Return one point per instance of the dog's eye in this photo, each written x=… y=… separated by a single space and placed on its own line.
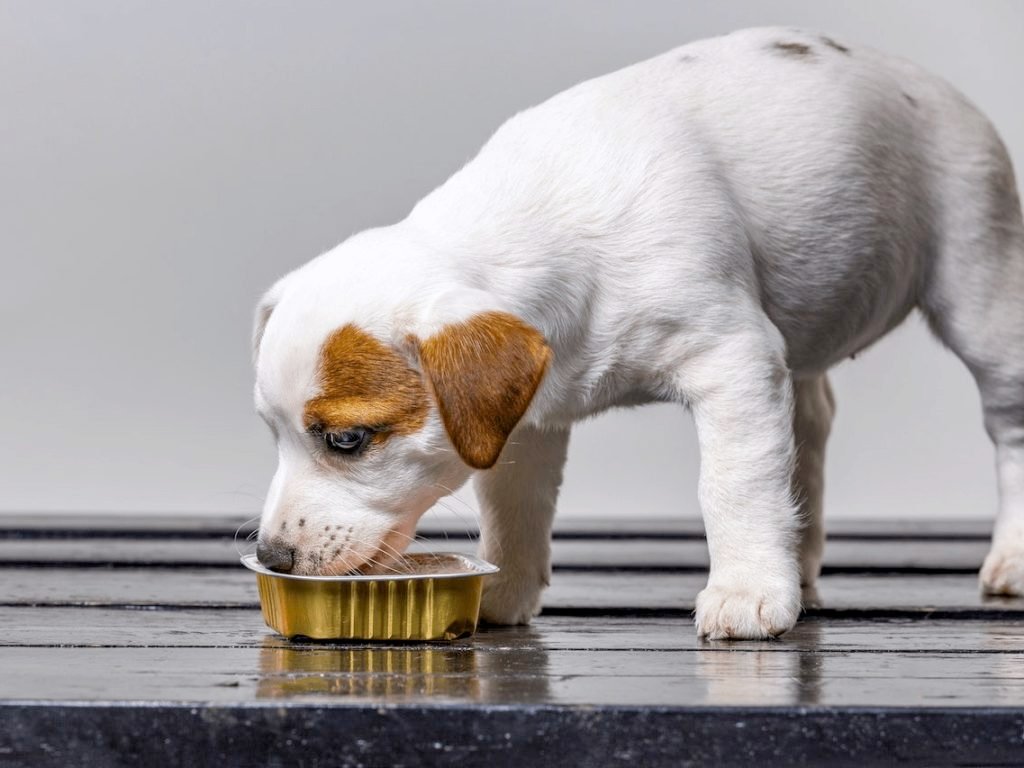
x=349 y=441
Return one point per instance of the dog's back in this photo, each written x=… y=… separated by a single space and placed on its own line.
x=836 y=167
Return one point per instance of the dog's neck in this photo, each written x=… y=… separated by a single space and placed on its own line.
x=546 y=278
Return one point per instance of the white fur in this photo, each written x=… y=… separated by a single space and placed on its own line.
x=706 y=227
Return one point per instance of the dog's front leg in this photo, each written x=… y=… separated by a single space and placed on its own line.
x=517 y=502
x=741 y=395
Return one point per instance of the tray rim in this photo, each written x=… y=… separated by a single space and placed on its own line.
x=480 y=568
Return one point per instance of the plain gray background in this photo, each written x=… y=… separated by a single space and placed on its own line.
x=162 y=162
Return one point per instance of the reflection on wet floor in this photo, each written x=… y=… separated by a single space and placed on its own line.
x=819 y=663
x=515 y=665
x=735 y=673
x=395 y=672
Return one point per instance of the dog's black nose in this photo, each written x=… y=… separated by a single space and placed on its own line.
x=275 y=555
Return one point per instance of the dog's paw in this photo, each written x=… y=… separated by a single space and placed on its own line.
x=510 y=600
x=1003 y=572
x=752 y=611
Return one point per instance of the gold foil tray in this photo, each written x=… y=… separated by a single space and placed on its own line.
x=433 y=597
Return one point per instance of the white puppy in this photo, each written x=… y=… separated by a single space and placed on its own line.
x=715 y=227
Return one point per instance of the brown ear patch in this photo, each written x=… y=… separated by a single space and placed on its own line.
x=484 y=372
x=366 y=383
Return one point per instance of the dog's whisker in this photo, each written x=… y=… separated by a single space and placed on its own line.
x=433 y=511
x=496 y=543
x=453 y=497
x=238 y=530
x=407 y=540
x=455 y=513
x=388 y=549
x=473 y=525
x=374 y=564
x=469 y=527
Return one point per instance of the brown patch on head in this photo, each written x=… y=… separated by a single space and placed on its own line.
x=484 y=372
x=910 y=99
x=835 y=46
x=796 y=50
x=365 y=383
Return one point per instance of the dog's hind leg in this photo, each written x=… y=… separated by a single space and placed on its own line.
x=991 y=342
x=974 y=300
x=517 y=505
x=990 y=339
x=813 y=409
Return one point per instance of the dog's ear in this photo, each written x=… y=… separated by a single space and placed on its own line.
x=484 y=372
x=263 y=312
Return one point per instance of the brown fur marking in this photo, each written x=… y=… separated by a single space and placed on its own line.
x=484 y=372
x=797 y=50
x=366 y=383
x=835 y=46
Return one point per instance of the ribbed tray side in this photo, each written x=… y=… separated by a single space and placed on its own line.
x=420 y=609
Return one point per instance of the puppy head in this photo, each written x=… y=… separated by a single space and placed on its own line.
x=376 y=417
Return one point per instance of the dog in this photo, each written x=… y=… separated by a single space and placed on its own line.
x=715 y=227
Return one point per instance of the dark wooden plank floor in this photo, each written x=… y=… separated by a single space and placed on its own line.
x=140 y=642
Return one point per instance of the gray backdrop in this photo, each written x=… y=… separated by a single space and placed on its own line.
x=162 y=162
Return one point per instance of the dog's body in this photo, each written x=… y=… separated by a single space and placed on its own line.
x=716 y=227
